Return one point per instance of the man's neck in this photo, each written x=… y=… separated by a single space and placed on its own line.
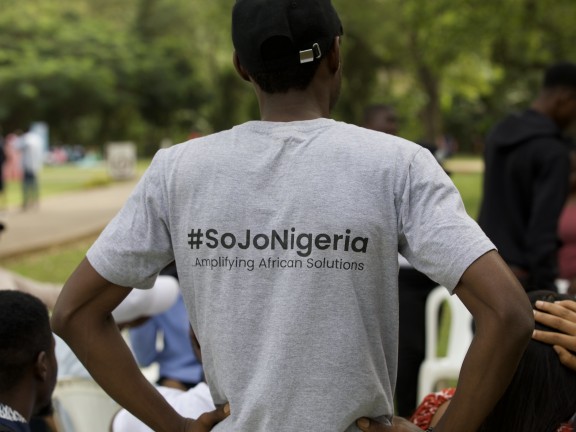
x=20 y=401
x=309 y=104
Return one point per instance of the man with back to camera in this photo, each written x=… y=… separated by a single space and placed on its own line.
x=286 y=233
x=28 y=366
x=526 y=180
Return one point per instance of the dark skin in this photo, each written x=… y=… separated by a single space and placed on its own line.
x=33 y=393
x=486 y=288
x=559 y=104
x=315 y=102
x=82 y=315
x=384 y=120
x=561 y=316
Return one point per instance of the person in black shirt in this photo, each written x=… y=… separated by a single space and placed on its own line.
x=527 y=168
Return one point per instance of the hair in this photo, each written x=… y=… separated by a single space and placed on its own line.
x=297 y=77
x=541 y=395
x=24 y=333
x=281 y=81
x=560 y=75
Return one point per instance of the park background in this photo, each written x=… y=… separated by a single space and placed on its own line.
x=153 y=71
x=144 y=70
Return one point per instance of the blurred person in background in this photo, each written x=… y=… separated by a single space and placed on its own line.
x=31 y=150
x=3 y=158
x=567 y=232
x=527 y=167
x=178 y=366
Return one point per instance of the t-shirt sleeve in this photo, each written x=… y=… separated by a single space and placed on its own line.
x=437 y=236
x=136 y=244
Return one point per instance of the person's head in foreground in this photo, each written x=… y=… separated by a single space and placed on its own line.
x=541 y=396
x=288 y=46
x=28 y=366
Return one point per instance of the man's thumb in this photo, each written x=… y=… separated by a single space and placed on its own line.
x=212 y=418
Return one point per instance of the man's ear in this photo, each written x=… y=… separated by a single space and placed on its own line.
x=41 y=366
x=239 y=68
x=334 y=59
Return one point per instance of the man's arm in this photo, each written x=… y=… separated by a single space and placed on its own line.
x=561 y=316
x=82 y=317
x=504 y=322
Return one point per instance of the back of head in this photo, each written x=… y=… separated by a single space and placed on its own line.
x=24 y=333
x=560 y=75
x=280 y=43
x=541 y=395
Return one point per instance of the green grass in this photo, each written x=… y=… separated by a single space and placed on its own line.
x=66 y=178
x=57 y=179
x=57 y=263
x=470 y=187
x=51 y=265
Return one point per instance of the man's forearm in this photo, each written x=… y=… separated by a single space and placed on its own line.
x=486 y=372
x=101 y=348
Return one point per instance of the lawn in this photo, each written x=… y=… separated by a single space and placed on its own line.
x=51 y=265
x=57 y=179
x=57 y=263
x=470 y=187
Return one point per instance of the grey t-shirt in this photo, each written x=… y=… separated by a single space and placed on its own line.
x=286 y=238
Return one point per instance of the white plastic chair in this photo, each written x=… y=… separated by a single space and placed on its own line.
x=562 y=285
x=80 y=405
x=435 y=369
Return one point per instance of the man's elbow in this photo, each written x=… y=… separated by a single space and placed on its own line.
x=61 y=320
x=517 y=321
x=67 y=318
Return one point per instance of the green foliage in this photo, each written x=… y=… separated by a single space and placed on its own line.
x=144 y=70
x=470 y=187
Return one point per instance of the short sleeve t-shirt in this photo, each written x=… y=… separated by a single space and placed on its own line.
x=286 y=239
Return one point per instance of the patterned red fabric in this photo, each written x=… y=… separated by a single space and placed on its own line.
x=430 y=404
x=426 y=410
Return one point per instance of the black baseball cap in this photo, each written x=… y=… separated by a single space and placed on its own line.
x=271 y=35
x=561 y=74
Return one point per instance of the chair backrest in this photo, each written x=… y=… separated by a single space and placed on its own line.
x=80 y=405
x=460 y=334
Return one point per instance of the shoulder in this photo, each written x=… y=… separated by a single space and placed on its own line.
x=195 y=146
x=373 y=145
